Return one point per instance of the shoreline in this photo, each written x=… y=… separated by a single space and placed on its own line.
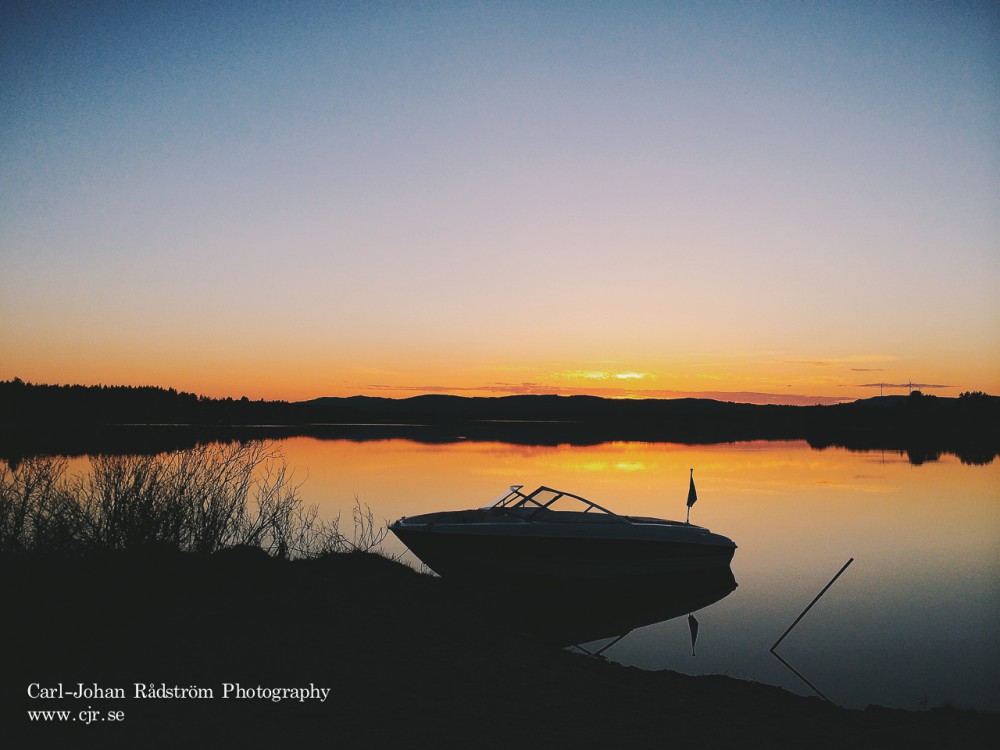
x=77 y=419
x=18 y=442
x=406 y=659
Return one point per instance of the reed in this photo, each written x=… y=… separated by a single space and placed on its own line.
x=199 y=500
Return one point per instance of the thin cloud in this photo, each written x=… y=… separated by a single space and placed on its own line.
x=586 y=374
x=603 y=375
x=867 y=369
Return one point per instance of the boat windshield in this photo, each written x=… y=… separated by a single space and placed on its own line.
x=546 y=498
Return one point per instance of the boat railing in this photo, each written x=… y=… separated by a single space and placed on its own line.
x=515 y=498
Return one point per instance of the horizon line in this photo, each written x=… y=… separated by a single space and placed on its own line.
x=501 y=390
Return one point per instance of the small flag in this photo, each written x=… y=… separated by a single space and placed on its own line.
x=692 y=492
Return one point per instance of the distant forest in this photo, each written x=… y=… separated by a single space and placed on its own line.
x=33 y=416
x=26 y=403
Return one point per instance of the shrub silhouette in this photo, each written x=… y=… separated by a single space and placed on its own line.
x=199 y=500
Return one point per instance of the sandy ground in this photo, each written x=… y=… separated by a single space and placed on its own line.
x=407 y=661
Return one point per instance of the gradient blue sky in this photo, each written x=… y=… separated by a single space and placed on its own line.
x=289 y=200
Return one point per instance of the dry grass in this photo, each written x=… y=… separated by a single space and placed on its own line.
x=199 y=500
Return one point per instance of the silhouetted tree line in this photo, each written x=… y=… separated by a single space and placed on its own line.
x=29 y=403
x=922 y=425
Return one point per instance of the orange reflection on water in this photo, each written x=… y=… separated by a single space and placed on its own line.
x=777 y=500
x=787 y=506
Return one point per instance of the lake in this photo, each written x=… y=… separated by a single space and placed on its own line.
x=912 y=623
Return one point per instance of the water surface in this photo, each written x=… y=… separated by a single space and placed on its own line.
x=912 y=623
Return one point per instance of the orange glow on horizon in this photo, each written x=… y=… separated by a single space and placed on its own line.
x=302 y=364
x=741 y=380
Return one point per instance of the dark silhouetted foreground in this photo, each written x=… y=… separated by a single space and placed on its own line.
x=409 y=663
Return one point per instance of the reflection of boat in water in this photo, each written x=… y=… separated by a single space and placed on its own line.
x=581 y=612
x=530 y=536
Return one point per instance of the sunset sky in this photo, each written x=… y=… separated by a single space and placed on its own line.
x=762 y=201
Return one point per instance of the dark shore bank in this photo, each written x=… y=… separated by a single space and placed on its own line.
x=409 y=662
x=77 y=420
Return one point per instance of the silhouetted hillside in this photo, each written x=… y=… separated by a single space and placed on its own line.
x=925 y=426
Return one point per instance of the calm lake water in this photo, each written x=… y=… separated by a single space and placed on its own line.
x=912 y=623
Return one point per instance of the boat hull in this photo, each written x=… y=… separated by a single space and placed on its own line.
x=476 y=553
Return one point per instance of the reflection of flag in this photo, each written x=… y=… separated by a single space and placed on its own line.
x=692 y=492
x=693 y=626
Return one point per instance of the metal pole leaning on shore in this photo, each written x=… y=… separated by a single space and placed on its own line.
x=825 y=588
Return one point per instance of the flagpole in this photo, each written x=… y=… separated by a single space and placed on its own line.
x=692 y=497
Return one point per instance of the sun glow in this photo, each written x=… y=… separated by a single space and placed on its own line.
x=603 y=375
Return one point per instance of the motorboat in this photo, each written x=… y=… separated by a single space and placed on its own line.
x=551 y=533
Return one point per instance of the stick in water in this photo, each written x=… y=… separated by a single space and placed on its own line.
x=832 y=581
